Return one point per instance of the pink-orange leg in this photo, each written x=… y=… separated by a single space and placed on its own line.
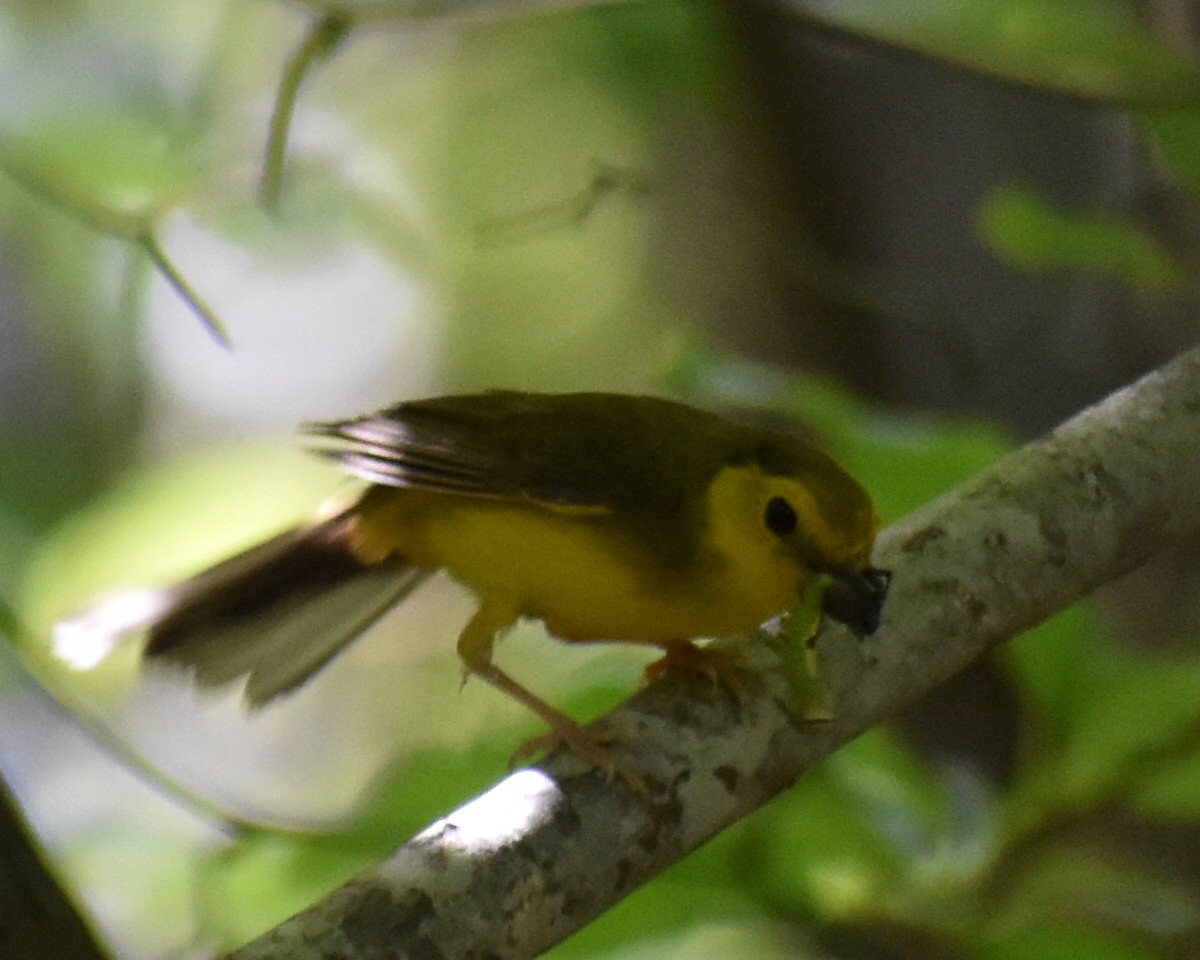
x=716 y=664
x=475 y=645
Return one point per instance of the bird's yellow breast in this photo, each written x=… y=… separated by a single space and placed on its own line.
x=579 y=570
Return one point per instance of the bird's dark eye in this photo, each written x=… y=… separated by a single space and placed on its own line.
x=779 y=517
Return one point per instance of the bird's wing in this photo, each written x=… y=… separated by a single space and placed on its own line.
x=565 y=450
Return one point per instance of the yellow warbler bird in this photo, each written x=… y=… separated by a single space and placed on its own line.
x=605 y=516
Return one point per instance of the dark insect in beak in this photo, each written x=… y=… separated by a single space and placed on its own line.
x=855 y=598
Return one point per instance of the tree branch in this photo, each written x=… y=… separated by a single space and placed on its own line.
x=38 y=921
x=535 y=858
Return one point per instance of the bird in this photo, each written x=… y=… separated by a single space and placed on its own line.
x=606 y=516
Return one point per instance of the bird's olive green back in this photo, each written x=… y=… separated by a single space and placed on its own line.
x=645 y=460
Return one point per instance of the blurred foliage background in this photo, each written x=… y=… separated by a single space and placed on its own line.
x=925 y=229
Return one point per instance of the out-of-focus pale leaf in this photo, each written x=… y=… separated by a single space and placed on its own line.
x=167 y=520
x=1084 y=48
x=1032 y=233
x=118 y=171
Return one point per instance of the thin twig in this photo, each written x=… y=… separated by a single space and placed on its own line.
x=320 y=42
x=131 y=230
x=149 y=244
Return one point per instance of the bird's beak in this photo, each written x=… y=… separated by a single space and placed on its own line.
x=855 y=598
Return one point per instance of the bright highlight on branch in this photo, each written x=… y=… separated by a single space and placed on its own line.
x=509 y=811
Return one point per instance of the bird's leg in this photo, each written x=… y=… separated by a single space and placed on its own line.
x=718 y=665
x=475 y=649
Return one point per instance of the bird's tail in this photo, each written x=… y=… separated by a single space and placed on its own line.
x=274 y=614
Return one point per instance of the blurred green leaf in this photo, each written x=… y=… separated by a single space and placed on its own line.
x=17 y=542
x=426 y=785
x=709 y=883
x=1050 y=941
x=1069 y=896
x=1136 y=710
x=1046 y=663
x=146 y=861
x=1109 y=716
x=266 y=877
x=1176 y=134
x=119 y=171
x=1084 y=48
x=164 y=521
x=896 y=792
x=74 y=372
x=668 y=51
x=10 y=623
x=1172 y=792
x=711 y=938
x=818 y=853
x=938 y=823
x=1032 y=233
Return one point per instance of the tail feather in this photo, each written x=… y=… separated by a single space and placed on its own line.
x=275 y=614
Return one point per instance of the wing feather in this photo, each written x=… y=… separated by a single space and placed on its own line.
x=399 y=448
x=563 y=450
